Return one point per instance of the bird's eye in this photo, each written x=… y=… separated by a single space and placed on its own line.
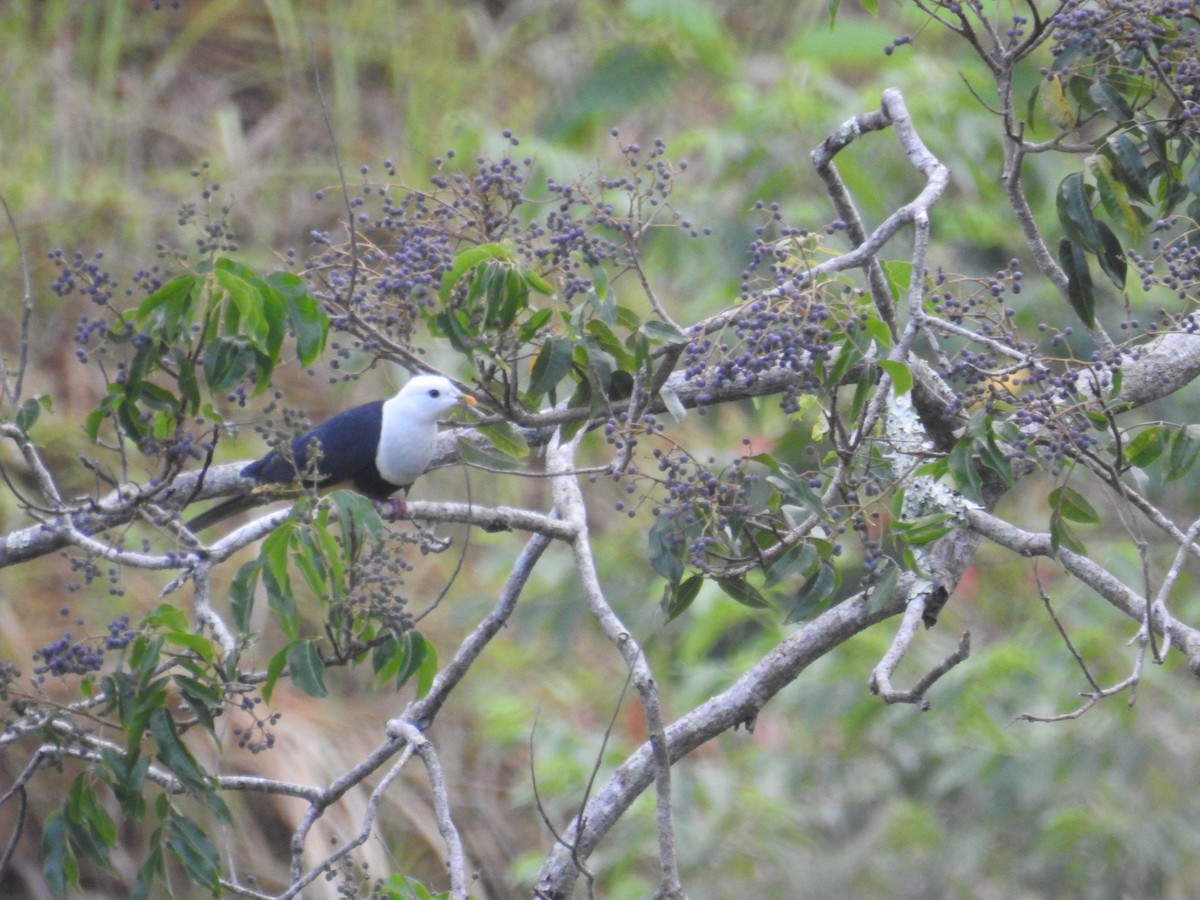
x=435 y=393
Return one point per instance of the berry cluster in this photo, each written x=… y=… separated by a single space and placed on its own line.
x=376 y=600
x=1150 y=39
x=784 y=321
x=377 y=283
x=706 y=511
x=258 y=736
x=68 y=656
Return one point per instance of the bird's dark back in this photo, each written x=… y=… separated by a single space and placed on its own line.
x=348 y=441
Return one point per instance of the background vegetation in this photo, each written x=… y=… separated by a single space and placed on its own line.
x=117 y=116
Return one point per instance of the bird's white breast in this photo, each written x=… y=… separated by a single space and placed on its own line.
x=406 y=443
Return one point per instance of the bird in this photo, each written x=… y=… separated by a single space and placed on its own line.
x=380 y=448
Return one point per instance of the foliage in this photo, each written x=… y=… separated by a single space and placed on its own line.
x=894 y=388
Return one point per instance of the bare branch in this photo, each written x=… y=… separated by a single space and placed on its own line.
x=441 y=805
x=1028 y=543
x=880 y=681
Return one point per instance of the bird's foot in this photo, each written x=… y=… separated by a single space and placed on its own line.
x=399 y=508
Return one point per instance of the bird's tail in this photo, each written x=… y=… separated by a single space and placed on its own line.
x=221 y=511
x=264 y=493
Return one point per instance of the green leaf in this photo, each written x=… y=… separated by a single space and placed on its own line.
x=1128 y=165
x=150 y=868
x=815 y=595
x=275 y=666
x=454 y=326
x=388 y=657
x=189 y=385
x=883 y=588
x=127 y=776
x=528 y=331
x=202 y=698
x=901 y=375
x=202 y=646
x=465 y=261
x=427 y=670
x=226 y=362
x=848 y=356
x=97 y=416
x=195 y=852
x=167 y=616
x=358 y=518
x=91 y=828
x=993 y=457
x=923 y=529
x=794 y=560
x=1055 y=104
x=743 y=592
x=537 y=283
x=306 y=668
x=1063 y=537
x=275 y=578
x=1070 y=504
x=309 y=559
x=1115 y=196
x=601 y=297
x=898 y=273
x=1184 y=449
x=305 y=316
x=1146 y=447
x=250 y=307
x=551 y=365
x=483 y=456
x=1075 y=212
x=506 y=438
x=59 y=866
x=1112 y=256
x=664 y=556
x=166 y=313
x=515 y=298
x=962 y=468
x=879 y=330
x=663 y=332
x=1105 y=96
x=241 y=593
x=419 y=657
x=608 y=341
x=488 y=282
x=1080 y=292
x=28 y=414
x=677 y=598
x=174 y=755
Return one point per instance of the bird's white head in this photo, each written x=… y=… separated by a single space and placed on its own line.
x=427 y=397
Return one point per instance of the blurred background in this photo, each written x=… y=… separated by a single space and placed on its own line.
x=109 y=108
